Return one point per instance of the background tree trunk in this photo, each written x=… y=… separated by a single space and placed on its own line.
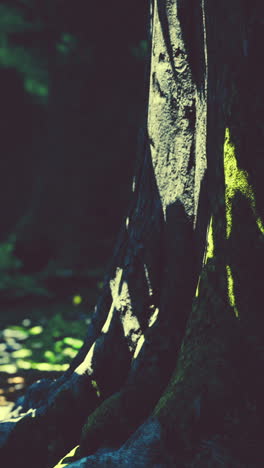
x=170 y=372
x=67 y=224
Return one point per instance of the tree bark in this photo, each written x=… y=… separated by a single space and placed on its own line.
x=169 y=375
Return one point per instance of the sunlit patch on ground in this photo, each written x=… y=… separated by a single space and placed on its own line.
x=33 y=348
x=13 y=386
x=10 y=389
x=48 y=347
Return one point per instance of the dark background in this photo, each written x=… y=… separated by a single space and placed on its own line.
x=71 y=104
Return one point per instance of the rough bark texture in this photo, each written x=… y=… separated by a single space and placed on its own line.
x=170 y=372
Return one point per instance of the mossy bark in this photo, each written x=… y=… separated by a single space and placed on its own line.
x=171 y=363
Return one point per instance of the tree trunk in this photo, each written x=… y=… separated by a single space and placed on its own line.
x=170 y=372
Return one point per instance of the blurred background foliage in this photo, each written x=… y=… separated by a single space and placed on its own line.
x=71 y=94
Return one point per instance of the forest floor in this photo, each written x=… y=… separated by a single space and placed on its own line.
x=39 y=337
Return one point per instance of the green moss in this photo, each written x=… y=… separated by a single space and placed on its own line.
x=111 y=423
x=198 y=287
x=95 y=386
x=230 y=288
x=103 y=426
x=197 y=382
x=194 y=402
x=260 y=225
x=210 y=242
x=236 y=180
x=209 y=252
